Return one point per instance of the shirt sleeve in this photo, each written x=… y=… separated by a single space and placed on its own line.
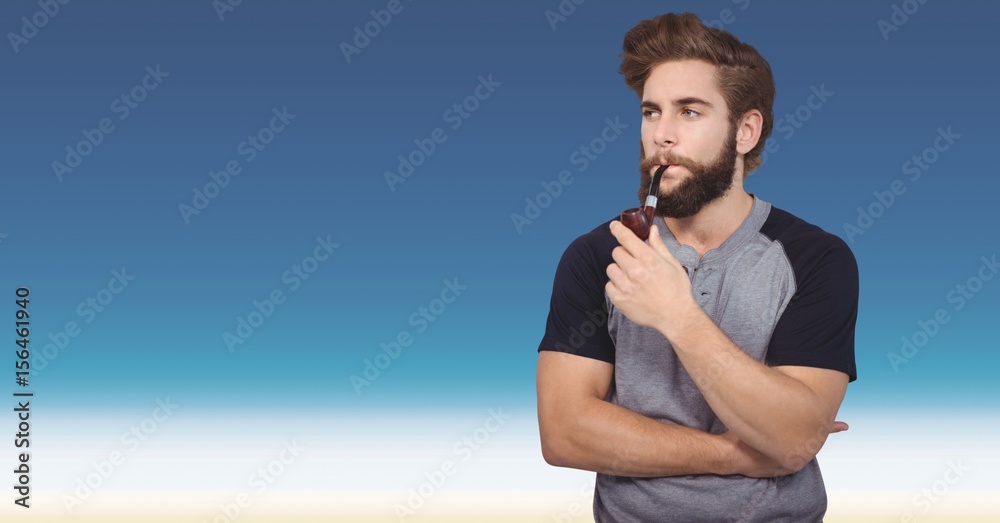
x=578 y=313
x=817 y=326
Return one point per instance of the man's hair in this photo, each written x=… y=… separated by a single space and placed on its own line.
x=742 y=74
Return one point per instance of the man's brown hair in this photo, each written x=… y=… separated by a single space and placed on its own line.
x=742 y=74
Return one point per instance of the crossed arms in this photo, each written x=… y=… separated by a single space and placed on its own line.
x=579 y=429
x=778 y=416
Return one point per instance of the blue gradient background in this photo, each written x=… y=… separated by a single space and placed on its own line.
x=324 y=176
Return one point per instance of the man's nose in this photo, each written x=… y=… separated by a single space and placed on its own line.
x=665 y=132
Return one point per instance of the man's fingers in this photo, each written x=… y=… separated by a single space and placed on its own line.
x=614 y=272
x=656 y=242
x=620 y=255
x=839 y=426
x=626 y=237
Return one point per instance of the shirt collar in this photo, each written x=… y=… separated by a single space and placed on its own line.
x=688 y=256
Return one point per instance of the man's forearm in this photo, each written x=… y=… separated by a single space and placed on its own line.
x=768 y=410
x=610 y=439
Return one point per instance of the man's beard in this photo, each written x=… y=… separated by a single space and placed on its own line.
x=706 y=183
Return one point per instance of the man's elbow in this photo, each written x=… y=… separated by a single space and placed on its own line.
x=555 y=448
x=796 y=461
x=798 y=452
x=561 y=437
x=552 y=454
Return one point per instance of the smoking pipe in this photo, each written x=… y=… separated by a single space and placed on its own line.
x=640 y=218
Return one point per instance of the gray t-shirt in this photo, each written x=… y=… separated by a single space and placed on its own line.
x=784 y=291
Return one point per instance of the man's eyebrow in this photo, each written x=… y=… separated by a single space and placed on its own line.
x=687 y=100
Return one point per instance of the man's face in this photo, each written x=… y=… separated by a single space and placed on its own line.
x=686 y=125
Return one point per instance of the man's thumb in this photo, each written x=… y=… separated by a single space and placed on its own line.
x=655 y=241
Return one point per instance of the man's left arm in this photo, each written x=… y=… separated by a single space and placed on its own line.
x=785 y=412
x=786 y=409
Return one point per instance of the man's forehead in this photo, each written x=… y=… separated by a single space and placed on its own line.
x=669 y=82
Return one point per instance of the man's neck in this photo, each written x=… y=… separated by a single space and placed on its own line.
x=714 y=223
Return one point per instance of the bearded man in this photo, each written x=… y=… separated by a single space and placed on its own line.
x=698 y=373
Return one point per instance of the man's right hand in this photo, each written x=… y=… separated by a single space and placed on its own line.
x=747 y=461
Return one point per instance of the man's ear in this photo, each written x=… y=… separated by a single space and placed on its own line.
x=748 y=131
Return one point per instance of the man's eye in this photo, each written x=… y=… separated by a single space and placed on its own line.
x=691 y=113
x=648 y=114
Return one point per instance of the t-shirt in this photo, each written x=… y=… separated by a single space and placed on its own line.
x=783 y=290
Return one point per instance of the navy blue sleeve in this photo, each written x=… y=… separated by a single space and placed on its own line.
x=578 y=312
x=817 y=326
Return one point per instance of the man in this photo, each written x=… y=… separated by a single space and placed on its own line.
x=699 y=373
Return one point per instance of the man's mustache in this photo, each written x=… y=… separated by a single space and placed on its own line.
x=648 y=163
